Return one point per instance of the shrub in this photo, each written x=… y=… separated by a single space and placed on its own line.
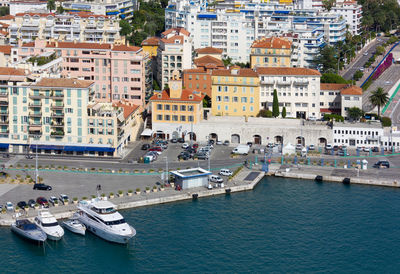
x=147 y=188
x=386 y=122
x=130 y=190
x=138 y=189
x=358 y=75
x=120 y=192
x=265 y=113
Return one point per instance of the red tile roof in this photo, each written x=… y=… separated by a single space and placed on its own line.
x=128 y=108
x=197 y=70
x=351 y=90
x=172 y=40
x=34 y=13
x=12 y=71
x=244 y=72
x=79 y=45
x=209 y=50
x=333 y=86
x=197 y=97
x=177 y=30
x=6 y=49
x=126 y=48
x=4 y=33
x=64 y=82
x=151 y=41
x=208 y=60
x=7 y=17
x=272 y=43
x=28 y=45
x=287 y=71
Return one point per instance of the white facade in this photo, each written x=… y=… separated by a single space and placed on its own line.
x=119 y=8
x=352 y=13
x=297 y=89
x=233 y=29
x=25 y=6
x=357 y=134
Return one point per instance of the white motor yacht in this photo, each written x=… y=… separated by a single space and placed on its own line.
x=46 y=221
x=102 y=219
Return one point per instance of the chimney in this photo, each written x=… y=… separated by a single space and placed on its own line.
x=74 y=41
x=56 y=44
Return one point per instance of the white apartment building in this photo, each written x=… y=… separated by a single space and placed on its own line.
x=233 y=27
x=355 y=135
x=82 y=27
x=26 y=6
x=174 y=53
x=117 y=8
x=297 y=89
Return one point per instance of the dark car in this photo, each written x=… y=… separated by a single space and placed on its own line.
x=145 y=146
x=42 y=187
x=174 y=140
x=211 y=142
x=21 y=204
x=181 y=140
x=29 y=156
x=191 y=150
x=184 y=156
x=42 y=201
x=375 y=149
x=31 y=203
x=201 y=156
x=381 y=164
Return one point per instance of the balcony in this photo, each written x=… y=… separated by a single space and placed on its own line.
x=57 y=134
x=300 y=83
x=4 y=122
x=35 y=127
x=3 y=94
x=35 y=114
x=35 y=104
x=57 y=106
x=57 y=114
x=284 y=83
x=35 y=96
x=57 y=125
x=267 y=82
x=3 y=103
x=4 y=113
x=57 y=95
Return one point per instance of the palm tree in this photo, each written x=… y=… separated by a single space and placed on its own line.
x=51 y=5
x=379 y=98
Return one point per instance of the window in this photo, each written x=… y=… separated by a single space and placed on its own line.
x=226 y=99
x=167 y=107
x=347 y=98
x=243 y=99
x=218 y=98
x=159 y=107
x=183 y=118
x=183 y=108
x=167 y=117
x=235 y=99
x=174 y=107
x=174 y=117
x=190 y=118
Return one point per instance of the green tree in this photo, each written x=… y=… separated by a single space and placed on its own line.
x=380 y=50
x=275 y=105
x=264 y=113
x=4 y=11
x=227 y=61
x=354 y=113
x=60 y=9
x=51 y=5
x=284 y=112
x=126 y=28
x=326 y=59
x=328 y=4
x=358 y=75
x=379 y=98
x=333 y=78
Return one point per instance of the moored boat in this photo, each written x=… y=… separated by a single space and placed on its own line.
x=46 y=221
x=75 y=226
x=29 y=231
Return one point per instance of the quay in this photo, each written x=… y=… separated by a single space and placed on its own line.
x=245 y=180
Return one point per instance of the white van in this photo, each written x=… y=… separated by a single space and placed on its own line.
x=225 y=172
x=215 y=179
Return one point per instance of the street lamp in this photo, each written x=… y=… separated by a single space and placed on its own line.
x=166 y=179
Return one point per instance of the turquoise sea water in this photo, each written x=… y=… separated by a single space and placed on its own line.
x=282 y=226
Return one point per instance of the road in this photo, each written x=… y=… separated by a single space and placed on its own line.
x=361 y=59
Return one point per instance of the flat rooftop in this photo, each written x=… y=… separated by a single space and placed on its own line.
x=191 y=173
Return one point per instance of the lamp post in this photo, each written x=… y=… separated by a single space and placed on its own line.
x=166 y=179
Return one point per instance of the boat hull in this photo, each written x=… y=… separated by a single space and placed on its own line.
x=37 y=237
x=106 y=235
x=74 y=229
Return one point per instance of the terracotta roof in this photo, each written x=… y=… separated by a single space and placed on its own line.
x=184 y=97
x=351 y=90
x=12 y=71
x=206 y=60
x=64 y=82
x=241 y=72
x=34 y=13
x=179 y=30
x=4 y=33
x=7 y=17
x=151 y=41
x=287 y=71
x=172 y=39
x=272 y=43
x=198 y=70
x=4 y=25
x=128 y=108
x=6 y=49
x=328 y=86
x=209 y=50
x=78 y=45
x=126 y=48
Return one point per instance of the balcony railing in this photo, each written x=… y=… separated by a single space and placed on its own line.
x=3 y=94
x=35 y=104
x=58 y=134
x=57 y=124
x=57 y=106
x=4 y=122
x=57 y=114
x=57 y=95
x=35 y=96
x=35 y=114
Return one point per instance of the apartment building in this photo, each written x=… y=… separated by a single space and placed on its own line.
x=26 y=6
x=80 y=26
x=199 y=78
x=176 y=111
x=297 y=89
x=209 y=51
x=358 y=134
x=271 y=52
x=5 y=55
x=117 y=8
x=338 y=98
x=53 y=116
x=233 y=26
x=150 y=45
x=118 y=70
x=174 y=53
x=235 y=92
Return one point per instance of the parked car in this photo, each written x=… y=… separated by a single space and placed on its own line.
x=225 y=172
x=299 y=147
x=9 y=206
x=328 y=147
x=209 y=146
x=181 y=140
x=184 y=156
x=185 y=145
x=191 y=150
x=29 y=156
x=145 y=146
x=42 y=187
x=153 y=155
x=53 y=200
x=335 y=148
x=270 y=145
x=342 y=153
x=311 y=147
x=31 y=203
x=195 y=146
x=158 y=150
x=375 y=149
x=174 y=140
x=201 y=156
x=250 y=144
x=42 y=201
x=226 y=143
x=6 y=155
x=365 y=53
x=211 y=142
x=382 y=164
x=64 y=198
x=219 y=143
x=216 y=179
x=366 y=149
x=21 y=204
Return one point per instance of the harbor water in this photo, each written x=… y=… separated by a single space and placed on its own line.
x=283 y=225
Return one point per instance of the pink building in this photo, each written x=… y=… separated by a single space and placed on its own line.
x=117 y=70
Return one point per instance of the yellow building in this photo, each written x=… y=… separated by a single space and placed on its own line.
x=271 y=52
x=176 y=110
x=235 y=92
x=150 y=45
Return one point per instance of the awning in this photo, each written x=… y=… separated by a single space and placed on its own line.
x=100 y=149
x=47 y=147
x=147 y=132
x=4 y=145
x=74 y=148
